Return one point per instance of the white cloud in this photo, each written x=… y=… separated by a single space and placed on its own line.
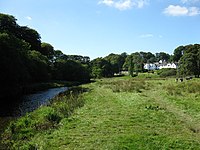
x=176 y=10
x=141 y=3
x=124 y=4
x=193 y=11
x=107 y=2
x=29 y=18
x=146 y=36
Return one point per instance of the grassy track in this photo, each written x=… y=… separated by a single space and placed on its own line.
x=119 y=115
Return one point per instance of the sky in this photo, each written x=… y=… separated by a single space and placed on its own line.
x=96 y=28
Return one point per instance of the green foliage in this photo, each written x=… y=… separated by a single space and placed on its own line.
x=184 y=88
x=8 y=24
x=38 y=66
x=116 y=61
x=162 y=56
x=130 y=65
x=127 y=85
x=20 y=132
x=24 y=60
x=148 y=57
x=134 y=63
x=189 y=63
x=31 y=36
x=14 y=73
x=70 y=70
x=178 y=53
x=78 y=58
x=47 y=50
x=101 y=68
x=167 y=72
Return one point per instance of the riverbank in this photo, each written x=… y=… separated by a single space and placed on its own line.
x=116 y=113
x=32 y=88
x=10 y=102
x=7 y=117
x=42 y=119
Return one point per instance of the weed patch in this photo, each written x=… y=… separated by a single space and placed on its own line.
x=184 y=88
x=127 y=85
x=19 y=133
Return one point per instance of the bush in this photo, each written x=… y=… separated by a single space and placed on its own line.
x=167 y=72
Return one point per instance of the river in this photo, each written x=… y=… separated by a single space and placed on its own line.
x=30 y=102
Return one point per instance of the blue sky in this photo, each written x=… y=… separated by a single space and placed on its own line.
x=97 y=28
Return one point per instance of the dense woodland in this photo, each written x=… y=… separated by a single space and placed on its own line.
x=25 y=59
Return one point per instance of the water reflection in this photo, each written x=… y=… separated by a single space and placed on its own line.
x=32 y=101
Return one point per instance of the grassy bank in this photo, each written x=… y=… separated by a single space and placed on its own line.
x=118 y=113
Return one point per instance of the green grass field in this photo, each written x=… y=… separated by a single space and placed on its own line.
x=115 y=114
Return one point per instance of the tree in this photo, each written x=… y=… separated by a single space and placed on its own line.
x=138 y=62
x=47 y=50
x=8 y=24
x=148 y=57
x=70 y=70
x=162 y=56
x=38 y=66
x=189 y=63
x=178 y=53
x=57 y=55
x=24 y=60
x=130 y=66
x=14 y=74
x=31 y=36
x=101 y=68
x=116 y=61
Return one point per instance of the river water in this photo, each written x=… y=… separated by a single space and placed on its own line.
x=30 y=102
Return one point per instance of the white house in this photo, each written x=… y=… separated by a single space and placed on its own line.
x=160 y=65
x=169 y=65
x=150 y=66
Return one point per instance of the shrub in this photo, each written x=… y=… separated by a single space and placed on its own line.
x=53 y=117
x=167 y=72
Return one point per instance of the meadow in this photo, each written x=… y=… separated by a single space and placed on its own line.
x=122 y=113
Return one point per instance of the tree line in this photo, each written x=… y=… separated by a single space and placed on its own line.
x=24 y=59
x=133 y=63
x=187 y=57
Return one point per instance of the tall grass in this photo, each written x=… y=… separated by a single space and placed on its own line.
x=48 y=117
x=130 y=85
x=183 y=88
